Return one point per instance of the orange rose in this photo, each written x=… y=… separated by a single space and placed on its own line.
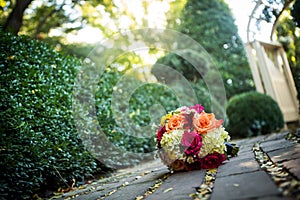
x=206 y=122
x=175 y=122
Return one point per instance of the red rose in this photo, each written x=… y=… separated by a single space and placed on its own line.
x=159 y=134
x=213 y=160
x=192 y=142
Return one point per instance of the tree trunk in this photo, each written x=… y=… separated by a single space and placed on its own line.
x=15 y=19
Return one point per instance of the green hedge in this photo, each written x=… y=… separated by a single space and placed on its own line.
x=136 y=111
x=38 y=141
x=252 y=114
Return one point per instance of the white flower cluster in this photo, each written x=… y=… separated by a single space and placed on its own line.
x=171 y=142
x=214 y=141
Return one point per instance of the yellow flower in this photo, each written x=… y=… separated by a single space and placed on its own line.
x=164 y=118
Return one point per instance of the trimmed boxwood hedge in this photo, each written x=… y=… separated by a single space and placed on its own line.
x=39 y=146
x=252 y=114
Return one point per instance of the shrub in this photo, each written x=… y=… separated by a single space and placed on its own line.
x=252 y=114
x=38 y=143
x=135 y=113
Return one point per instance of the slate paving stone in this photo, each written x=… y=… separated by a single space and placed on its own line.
x=293 y=167
x=101 y=186
x=106 y=189
x=276 y=144
x=244 y=186
x=276 y=136
x=238 y=167
x=285 y=154
x=251 y=140
x=93 y=191
x=179 y=186
x=247 y=144
x=245 y=148
x=278 y=197
x=90 y=196
x=242 y=156
x=138 y=187
x=121 y=177
x=144 y=166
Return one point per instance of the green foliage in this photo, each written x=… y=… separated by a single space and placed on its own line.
x=211 y=24
x=148 y=95
x=135 y=114
x=80 y=50
x=38 y=140
x=182 y=66
x=173 y=14
x=204 y=97
x=252 y=114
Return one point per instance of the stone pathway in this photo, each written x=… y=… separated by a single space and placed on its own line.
x=267 y=167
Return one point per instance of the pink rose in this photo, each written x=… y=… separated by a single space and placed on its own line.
x=198 y=107
x=213 y=160
x=192 y=142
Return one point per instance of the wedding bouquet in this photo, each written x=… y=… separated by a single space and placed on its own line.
x=189 y=138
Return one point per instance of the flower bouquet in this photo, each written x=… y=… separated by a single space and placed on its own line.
x=189 y=138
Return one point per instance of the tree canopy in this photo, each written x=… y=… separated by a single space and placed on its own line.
x=211 y=24
x=37 y=18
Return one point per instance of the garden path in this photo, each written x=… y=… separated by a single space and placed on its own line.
x=267 y=167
